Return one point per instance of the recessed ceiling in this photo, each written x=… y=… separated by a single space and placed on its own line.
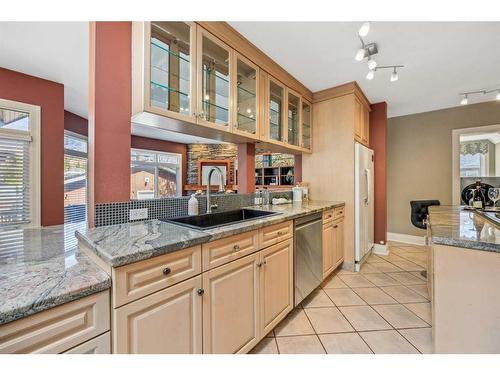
x=441 y=58
x=57 y=51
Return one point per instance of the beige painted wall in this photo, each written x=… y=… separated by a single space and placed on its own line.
x=419 y=158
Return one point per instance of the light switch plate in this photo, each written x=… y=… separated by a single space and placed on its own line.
x=138 y=214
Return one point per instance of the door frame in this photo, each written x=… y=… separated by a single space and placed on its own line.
x=455 y=156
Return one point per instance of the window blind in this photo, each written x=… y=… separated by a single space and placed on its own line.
x=14 y=181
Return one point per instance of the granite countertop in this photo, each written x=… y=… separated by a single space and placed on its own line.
x=454 y=226
x=41 y=269
x=122 y=244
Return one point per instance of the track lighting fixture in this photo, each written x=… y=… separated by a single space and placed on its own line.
x=372 y=64
x=360 y=55
x=394 y=74
x=364 y=29
x=466 y=94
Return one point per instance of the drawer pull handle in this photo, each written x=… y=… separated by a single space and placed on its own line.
x=335 y=226
x=200 y=291
x=236 y=247
x=166 y=271
x=280 y=233
x=329 y=216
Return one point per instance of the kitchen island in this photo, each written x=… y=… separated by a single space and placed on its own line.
x=464 y=281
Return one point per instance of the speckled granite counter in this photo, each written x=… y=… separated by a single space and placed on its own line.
x=41 y=269
x=453 y=226
x=122 y=244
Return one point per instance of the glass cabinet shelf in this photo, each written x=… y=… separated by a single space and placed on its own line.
x=170 y=52
x=171 y=89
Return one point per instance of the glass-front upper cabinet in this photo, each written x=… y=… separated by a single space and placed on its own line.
x=246 y=96
x=275 y=108
x=214 y=81
x=171 y=70
x=293 y=118
x=306 y=125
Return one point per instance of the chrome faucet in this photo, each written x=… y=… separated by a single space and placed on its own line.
x=221 y=188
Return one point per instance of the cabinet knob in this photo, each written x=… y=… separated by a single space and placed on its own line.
x=166 y=271
x=236 y=247
x=200 y=291
x=335 y=226
x=259 y=264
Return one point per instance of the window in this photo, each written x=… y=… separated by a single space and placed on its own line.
x=75 y=178
x=19 y=164
x=155 y=174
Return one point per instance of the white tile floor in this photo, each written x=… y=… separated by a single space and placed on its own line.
x=382 y=309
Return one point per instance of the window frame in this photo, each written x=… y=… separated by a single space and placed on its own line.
x=33 y=136
x=83 y=155
x=156 y=164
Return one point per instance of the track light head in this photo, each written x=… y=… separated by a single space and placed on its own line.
x=370 y=74
x=498 y=96
x=364 y=29
x=372 y=64
x=394 y=75
x=360 y=55
x=464 y=100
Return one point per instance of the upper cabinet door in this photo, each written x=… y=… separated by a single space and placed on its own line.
x=293 y=118
x=214 y=81
x=246 y=97
x=171 y=70
x=275 y=105
x=306 y=133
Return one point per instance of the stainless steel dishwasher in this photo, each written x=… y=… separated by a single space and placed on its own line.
x=308 y=255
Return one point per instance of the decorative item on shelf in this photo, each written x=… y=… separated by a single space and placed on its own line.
x=465 y=94
x=281 y=200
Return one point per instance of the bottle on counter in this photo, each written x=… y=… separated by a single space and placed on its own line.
x=479 y=199
x=265 y=196
x=193 y=208
x=257 y=198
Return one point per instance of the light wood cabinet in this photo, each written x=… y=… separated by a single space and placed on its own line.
x=98 y=345
x=231 y=306
x=168 y=321
x=361 y=122
x=276 y=284
x=306 y=128
x=333 y=245
x=58 y=329
x=139 y=279
x=275 y=233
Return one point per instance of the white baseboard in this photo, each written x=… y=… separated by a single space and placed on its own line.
x=406 y=238
x=380 y=249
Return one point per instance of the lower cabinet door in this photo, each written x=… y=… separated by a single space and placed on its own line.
x=338 y=228
x=168 y=321
x=98 y=345
x=276 y=284
x=328 y=249
x=230 y=306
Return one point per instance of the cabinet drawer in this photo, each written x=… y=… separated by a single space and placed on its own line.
x=139 y=279
x=58 y=329
x=275 y=233
x=98 y=345
x=338 y=213
x=222 y=251
x=328 y=216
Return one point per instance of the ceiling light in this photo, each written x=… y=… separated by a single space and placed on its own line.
x=464 y=100
x=360 y=55
x=372 y=64
x=364 y=29
x=370 y=74
x=394 y=75
x=498 y=95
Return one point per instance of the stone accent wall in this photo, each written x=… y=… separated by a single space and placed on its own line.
x=278 y=160
x=196 y=152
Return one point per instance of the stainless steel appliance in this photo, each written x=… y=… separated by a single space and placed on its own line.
x=308 y=255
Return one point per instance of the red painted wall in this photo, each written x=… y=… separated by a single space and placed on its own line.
x=164 y=146
x=246 y=168
x=110 y=90
x=75 y=123
x=50 y=97
x=378 y=142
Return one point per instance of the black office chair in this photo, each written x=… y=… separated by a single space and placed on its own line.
x=419 y=212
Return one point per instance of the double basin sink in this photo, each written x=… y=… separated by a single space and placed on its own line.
x=219 y=219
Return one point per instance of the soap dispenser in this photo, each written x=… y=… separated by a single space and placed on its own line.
x=193 y=208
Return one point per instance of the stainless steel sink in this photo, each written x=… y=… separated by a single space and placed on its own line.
x=218 y=219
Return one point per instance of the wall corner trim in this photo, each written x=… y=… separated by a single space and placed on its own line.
x=380 y=249
x=406 y=238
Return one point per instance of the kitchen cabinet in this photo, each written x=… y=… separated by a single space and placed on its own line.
x=333 y=244
x=98 y=345
x=168 y=321
x=170 y=68
x=338 y=234
x=231 y=306
x=306 y=129
x=275 y=111
x=361 y=123
x=214 y=81
x=276 y=284
x=293 y=118
x=246 y=97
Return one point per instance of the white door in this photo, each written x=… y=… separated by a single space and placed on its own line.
x=364 y=210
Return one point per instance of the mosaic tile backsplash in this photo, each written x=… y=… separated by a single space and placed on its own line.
x=118 y=213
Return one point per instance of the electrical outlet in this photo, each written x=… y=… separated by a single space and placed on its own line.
x=138 y=214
